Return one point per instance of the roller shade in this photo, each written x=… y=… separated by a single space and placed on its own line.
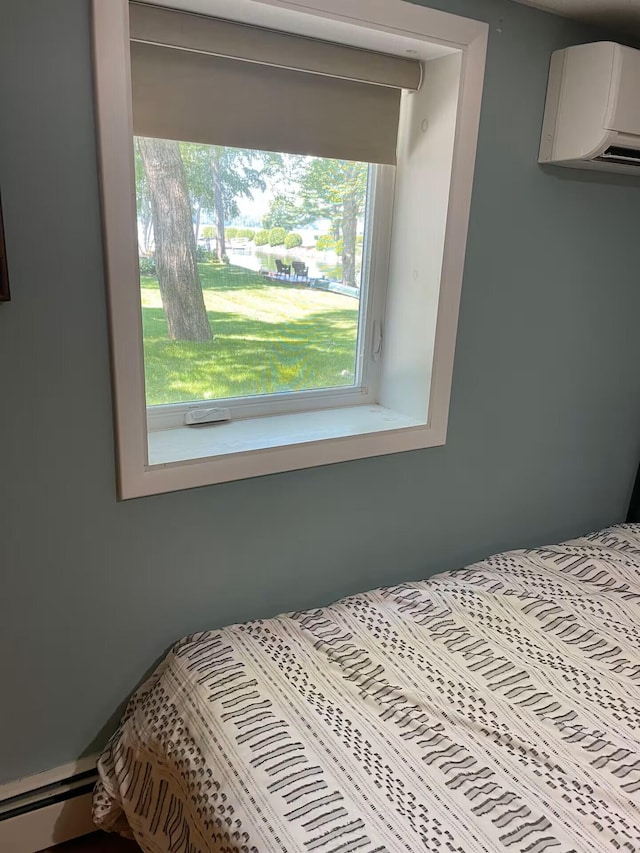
x=201 y=79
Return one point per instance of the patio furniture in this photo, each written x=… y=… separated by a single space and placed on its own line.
x=283 y=269
x=300 y=269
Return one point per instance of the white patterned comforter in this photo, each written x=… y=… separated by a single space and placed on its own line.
x=492 y=709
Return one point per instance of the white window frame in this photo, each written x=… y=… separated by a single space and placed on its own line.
x=185 y=457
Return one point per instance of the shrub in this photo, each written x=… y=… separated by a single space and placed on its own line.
x=231 y=233
x=209 y=232
x=325 y=243
x=148 y=265
x=262 y=238
x=246 y=233
x=277 y=236
x=292 y=240
x=204 y=255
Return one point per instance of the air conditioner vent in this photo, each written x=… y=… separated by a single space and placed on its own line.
x=622 y=156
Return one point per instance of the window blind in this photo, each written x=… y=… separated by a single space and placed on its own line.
x=201 y=79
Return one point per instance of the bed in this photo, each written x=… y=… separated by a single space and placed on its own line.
x=496 y=708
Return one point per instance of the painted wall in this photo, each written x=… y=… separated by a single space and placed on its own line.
x=545 y=414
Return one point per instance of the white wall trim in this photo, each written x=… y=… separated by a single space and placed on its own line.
x=46 y=827
x=42 y=826
x=27 y=784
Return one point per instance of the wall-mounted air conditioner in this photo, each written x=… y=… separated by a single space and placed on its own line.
x=592 y=118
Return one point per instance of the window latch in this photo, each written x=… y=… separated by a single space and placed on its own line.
x=203 y=417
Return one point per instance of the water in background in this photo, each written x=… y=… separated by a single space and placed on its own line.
x=254 y=259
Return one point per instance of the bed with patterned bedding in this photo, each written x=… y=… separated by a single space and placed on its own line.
x=496 y=708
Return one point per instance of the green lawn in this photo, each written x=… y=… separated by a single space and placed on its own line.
x=268 y=337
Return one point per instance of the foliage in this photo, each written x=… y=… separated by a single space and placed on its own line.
x=197 y=168
x=327 y=184
x=337 y=190
x=277 y=236
x=262 y=238
x=239 y=172
x=274 y=338
x=292 y=240
x=339 y=244
x=147 y=265
x=231 y=233
x=284 y=213
x=246 y=233
x=209 y=232
x=325 y=243
x=205 y=255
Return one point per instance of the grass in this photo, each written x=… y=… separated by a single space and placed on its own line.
x=267 y=337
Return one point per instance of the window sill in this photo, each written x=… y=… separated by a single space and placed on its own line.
x=188 y=444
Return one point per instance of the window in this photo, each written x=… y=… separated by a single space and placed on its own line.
x=266 y=316
x=260 y=289
x=288 y=277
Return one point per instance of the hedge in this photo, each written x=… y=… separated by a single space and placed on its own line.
x=292 y=240
x=277 y=236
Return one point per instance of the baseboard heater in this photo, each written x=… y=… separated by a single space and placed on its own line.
x=47 y=809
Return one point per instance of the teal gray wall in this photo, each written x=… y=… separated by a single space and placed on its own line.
x=545 y=411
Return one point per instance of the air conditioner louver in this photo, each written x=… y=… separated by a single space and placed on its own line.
x=623 y=156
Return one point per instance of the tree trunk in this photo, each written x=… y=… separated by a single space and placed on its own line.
x=350 y=209
x=218 y=193
x=180 y=287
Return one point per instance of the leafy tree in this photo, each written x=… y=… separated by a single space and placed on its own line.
x=218 y=176
x=235 y=173
x=284 y=213
x=337 y=190
x=198 y=171
x=177 y=268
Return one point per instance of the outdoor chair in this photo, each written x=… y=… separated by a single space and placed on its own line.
x=300 y=269
x=283 y=269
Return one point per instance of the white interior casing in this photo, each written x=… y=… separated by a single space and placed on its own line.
x=423 y=263
x=592 y=116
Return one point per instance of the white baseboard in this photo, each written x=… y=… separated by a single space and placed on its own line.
x=30 y=821
x=46 y=827
x=57 y=775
